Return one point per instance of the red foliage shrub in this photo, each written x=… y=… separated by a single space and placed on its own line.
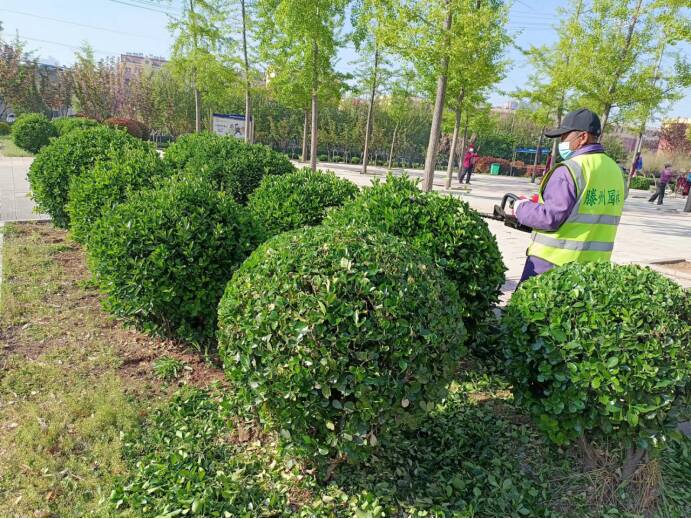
x=133 y=127
x=483 y=164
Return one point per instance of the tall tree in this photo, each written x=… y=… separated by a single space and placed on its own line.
x=366 y=16
x=617 y=51
x=94 y=81
x=18 y=76
x=301 y=36
x=199 y=40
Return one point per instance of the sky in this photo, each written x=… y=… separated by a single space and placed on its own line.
x=54 y=30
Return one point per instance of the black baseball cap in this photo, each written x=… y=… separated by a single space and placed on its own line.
x=582 y=120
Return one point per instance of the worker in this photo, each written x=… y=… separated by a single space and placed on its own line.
x=666 y=176
x=580 y=200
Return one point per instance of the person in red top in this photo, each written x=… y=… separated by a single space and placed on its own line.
x=468 y=165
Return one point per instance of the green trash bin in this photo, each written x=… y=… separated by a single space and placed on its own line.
x=494 y=168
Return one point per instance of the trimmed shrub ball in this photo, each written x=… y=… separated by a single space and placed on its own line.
x=31 y=132
x=287 y=202
x=337 y=336
x=109 y=183
x=230 y=165
x=165 y=256
x=600 y=350
x=65 y=125
x=442 y=226
x=5 y=129
x=70 y=156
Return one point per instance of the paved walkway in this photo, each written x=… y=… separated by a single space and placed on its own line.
x=15 y=203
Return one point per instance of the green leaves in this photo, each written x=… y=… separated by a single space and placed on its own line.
x=165 y=255
x=32 y=132
x=287 y=202
x=228 y=164
x=69 y=157
x=445 y=228
x=339 y=357
x=614 y=357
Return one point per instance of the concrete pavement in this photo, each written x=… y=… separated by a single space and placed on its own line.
x=15 y=203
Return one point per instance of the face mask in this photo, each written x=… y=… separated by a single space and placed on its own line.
x=564 y=150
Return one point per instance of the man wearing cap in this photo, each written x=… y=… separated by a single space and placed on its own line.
x=580 y=200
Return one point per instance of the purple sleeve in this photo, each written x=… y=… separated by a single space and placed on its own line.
x=559 y=196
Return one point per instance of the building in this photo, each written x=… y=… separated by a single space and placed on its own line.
x=134 y=64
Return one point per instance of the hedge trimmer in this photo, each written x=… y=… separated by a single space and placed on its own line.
x=508 y=219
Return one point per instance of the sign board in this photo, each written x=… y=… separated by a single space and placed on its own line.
x=232 y=125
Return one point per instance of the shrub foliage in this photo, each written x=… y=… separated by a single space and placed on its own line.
x=287 y=202
x=32 y=132
x=601 y=350
x=337 y=336
x=5 y=129
x=67 y=157
x=445 y=227
x=165 y=256
x=109 y=183
x=230 y=165
x=640 y=183
x=65 y=125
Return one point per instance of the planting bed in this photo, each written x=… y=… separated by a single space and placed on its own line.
x=88 y=426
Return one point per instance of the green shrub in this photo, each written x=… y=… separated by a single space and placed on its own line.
x=600 y=350
x=5 y=128
x=283 y=203
x=355 y=160
x=337 y=158
x=230 y=165
x=31 y=132
x=322 y=158
x=640 y=183
x=165 y=255
x=338 y=335
x=67 y=157
x=67 y=124
x=109 y=183
x=442 y=226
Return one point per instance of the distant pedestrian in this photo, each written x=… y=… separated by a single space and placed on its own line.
x=665 y=177
x=638 y=164
x=468 y=165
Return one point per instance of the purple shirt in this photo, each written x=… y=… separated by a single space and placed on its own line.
x=666 y=176
x=559 y=198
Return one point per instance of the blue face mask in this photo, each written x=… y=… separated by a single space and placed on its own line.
x=564 y=150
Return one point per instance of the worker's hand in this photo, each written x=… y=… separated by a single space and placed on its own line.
x=517 y=204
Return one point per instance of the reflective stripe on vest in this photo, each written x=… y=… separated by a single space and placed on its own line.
x=588 y=232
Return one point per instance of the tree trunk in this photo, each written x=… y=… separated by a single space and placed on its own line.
x=687 y=207
x=464 y=140
x=393 y=140
x=454 y=140
x=634 y=457
x=303 y=158
x=537 y=156
x=315 y=89
x=435 y=130
x=248 y=100
x=370 y=111
x=197 y=108
x=513 y=159
x=603 y=121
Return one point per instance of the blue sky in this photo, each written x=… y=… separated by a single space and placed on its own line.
x=55 y=29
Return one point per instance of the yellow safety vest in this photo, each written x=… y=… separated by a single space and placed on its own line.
x=588 y=232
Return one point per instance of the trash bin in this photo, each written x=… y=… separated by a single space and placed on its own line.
x=494 y=168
